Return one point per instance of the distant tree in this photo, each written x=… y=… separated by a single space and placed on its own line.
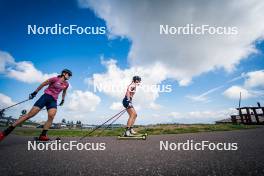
x=78 y=124
x=70 y=124
x=63 y=120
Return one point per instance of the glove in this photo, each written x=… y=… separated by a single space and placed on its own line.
x=61 y=103
x=32 y=95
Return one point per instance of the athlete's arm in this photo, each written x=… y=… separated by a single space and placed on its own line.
x=63 y=97
x=64 y=94
x=45 y=83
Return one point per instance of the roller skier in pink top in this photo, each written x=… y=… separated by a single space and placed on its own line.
x=56 y=85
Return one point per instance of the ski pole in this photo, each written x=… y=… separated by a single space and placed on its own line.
x=14 y=104
x=112 y=122
x=102 y=124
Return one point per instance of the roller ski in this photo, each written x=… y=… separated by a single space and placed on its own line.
x=131 y=134
x=139 y=137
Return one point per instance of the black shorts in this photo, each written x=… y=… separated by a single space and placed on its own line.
x=127 y=103
x=46 y=100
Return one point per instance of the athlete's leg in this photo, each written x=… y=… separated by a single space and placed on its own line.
x=132 y=117
x=131 y=120
x=40 y=103
x=34 y=110
x=51 y=105
x=51 y=114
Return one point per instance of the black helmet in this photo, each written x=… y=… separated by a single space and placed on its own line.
x=66 y=71
x=136 y=78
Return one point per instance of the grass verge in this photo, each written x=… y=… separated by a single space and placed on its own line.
x=151 y=130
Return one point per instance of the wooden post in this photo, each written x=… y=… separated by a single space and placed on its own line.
x=241 y=115
x=248 y=116
x=256 y=115
x=233 y=119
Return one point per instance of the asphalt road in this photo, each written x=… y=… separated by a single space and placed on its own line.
x=139 y=157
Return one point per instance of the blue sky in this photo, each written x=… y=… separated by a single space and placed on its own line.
x=90 y=55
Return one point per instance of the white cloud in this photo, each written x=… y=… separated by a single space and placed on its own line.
x=234 y=93
x=5 y=101
x=252 y=86
x=22 y=71
x=26 y=72
x=183 y=57
x=82 y=101
x=5 y=59
x=254 y=79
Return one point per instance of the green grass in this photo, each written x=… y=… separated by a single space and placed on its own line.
x=178 y=129
x=151 y=130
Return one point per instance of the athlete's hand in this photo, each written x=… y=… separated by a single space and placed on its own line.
x=32 y=95
x=61 y=103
